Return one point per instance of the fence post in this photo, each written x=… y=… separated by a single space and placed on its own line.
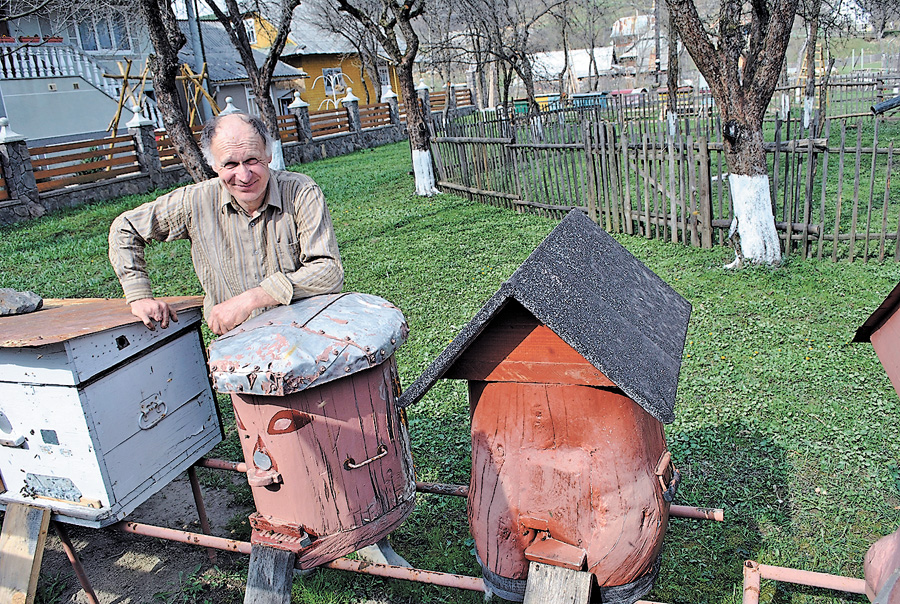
x=704 y=196
x=300 y=110
x=450 y=103
x=390 y=97
x=141 y=130
x=351 y=103
x=18 y=171
x=425 y=100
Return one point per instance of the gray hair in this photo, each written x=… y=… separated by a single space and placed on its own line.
x=211 y=127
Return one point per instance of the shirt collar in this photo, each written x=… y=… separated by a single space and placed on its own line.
x=273 y=196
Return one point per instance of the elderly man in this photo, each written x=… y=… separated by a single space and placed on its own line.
x=259 y=238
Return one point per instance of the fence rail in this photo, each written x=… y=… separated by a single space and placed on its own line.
x=328 y=122
x=57 y=166
x=831 y=191
x=372 y=116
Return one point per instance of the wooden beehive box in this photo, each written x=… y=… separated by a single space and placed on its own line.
x=97 y=413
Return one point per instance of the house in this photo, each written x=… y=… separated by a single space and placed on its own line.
x=227 y=76
x=331 y=60
x=547 y=66
x=57 y=64
x=634 y=39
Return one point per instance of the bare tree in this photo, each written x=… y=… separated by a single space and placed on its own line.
x=386 y=20
x=509 y=25
x=167 y=40
x=741 y=62
x=260 y=76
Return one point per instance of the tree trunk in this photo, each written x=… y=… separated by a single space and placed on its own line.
x=417 y=130
x=167 y=39
x=752 y=232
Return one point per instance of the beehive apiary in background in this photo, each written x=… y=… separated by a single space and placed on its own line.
x=97 y=412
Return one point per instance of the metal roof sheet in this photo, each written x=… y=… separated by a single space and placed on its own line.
x=310 y=342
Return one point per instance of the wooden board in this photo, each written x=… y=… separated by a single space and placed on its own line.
x=554 y=584
x=270 y=576
x=21 y=550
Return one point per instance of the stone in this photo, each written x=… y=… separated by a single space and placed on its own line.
x=14 y=302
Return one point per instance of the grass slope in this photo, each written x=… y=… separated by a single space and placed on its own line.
x=780 y=420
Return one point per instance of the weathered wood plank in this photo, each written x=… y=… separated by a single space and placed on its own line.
x=855 y=216
x=871 y=192
x=554 y=584
x=270 y=576
x=21 y=550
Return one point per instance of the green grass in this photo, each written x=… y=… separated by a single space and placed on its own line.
x=780 y=420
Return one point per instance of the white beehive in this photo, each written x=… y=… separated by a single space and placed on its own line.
x=97 y=413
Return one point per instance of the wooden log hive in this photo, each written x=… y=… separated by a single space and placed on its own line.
x=327 y=450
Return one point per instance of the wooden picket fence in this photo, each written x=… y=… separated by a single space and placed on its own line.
x=831 y=192
x=61 y=165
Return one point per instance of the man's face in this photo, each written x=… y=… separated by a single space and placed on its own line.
x=241 y=161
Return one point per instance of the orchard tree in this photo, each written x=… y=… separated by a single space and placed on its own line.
x=391 y=22
x=167 y=40
x=232 y=19
x=741 y=61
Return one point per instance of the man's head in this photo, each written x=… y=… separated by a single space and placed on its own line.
x=238 y=148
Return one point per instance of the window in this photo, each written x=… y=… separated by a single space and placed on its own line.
x=104 y=33
x=250 y=28
x=334 y=80
x=385 y=76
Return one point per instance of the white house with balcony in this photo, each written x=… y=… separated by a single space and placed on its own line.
x=52 y=71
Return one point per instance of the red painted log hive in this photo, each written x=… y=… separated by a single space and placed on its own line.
x=314 y=386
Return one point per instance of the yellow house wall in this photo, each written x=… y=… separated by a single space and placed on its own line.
x=265 y=34
x=315 y=90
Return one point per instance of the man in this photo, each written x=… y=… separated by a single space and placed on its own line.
x=259 y=238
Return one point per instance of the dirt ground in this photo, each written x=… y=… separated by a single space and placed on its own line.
x=132 y=569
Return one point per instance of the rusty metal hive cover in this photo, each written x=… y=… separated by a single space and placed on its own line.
x=308 y=343
x=603 y=302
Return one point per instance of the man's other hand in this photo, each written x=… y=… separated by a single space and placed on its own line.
x=227 y=315
x=151 y=311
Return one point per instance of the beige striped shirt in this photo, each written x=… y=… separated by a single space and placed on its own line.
x=288 y=248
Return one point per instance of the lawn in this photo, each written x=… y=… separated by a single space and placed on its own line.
x=781 y=420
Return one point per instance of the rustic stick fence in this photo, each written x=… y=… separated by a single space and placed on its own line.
x=831 y=192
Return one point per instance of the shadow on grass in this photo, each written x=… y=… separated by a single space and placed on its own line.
x=731 y=466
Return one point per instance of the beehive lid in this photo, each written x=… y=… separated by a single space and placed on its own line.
x=67 y=319
x=310 y=342
x=600 y=300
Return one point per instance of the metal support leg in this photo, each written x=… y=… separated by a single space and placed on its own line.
x=201 y=511
x=76 y=563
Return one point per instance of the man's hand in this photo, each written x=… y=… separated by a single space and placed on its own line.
x=149 y=310
x=227 y=315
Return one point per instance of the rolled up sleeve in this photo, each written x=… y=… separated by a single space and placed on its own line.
x=129 y=234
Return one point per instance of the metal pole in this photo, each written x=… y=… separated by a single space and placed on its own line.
x=76 y=563
x=201 y=510
x=751 y=582
x=358 y=566
x=812 y=579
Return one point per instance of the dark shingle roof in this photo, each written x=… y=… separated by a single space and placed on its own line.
x=222 y=60
x=603 y=302
x=878 y=318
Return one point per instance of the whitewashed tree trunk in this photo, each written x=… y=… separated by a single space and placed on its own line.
x=753 y=228
x=424 y=173
x=277 y=162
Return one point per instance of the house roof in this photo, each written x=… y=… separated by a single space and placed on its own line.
x=222 y=59
x=310 y=39
x=600 y=300
x=548 y=65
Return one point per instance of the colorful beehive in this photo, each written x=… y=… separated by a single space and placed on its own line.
x=572 y=368
x=97 y=412
x=327 y=450
x=882 y=563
